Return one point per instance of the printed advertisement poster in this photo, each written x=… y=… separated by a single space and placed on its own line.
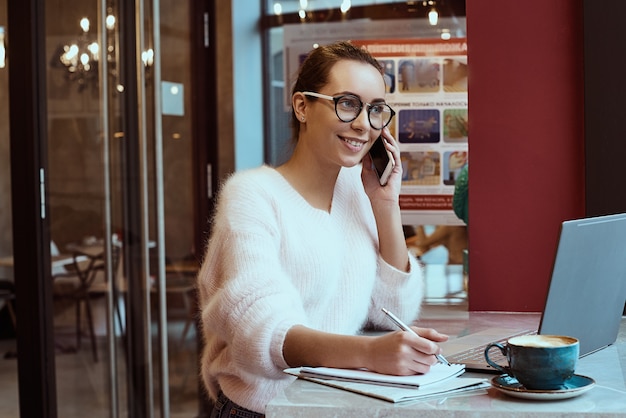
x=427 y=87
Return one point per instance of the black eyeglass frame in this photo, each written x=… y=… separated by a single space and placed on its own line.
x=362 y=104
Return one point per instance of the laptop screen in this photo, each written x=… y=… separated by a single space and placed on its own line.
x=588 y=285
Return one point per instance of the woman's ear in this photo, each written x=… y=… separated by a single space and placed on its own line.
x=298 y=103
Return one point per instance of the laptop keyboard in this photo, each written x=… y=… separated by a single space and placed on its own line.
x=477 y=354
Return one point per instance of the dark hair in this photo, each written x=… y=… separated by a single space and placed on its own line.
x=315 y=70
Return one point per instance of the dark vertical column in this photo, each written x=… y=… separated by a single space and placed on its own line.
x=137 y=374
x=205 y=142
x=31 y=235
x=605 y=90
x=204 y=118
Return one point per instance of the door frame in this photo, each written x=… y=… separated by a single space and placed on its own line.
x=31 y=233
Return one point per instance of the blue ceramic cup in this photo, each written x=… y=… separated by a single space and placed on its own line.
x=539 y=362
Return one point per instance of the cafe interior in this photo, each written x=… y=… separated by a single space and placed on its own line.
x=119 y=120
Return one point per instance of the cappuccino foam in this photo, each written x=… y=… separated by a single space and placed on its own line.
x=542 y=341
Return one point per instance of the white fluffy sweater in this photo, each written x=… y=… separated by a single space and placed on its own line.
x=273 y=262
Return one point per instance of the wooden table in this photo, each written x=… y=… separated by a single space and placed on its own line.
x=58 y=264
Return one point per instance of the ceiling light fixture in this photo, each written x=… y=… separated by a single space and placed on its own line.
x=433 y=16
x=345 y=6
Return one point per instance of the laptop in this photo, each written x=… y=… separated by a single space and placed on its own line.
x=587 y=290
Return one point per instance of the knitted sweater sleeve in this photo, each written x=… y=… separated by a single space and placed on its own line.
x=247 y=302
x=400 y=292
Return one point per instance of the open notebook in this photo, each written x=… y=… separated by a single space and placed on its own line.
x=440 y=380
x=586 y=295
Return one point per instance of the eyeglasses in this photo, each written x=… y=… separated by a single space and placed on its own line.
x=348 y=107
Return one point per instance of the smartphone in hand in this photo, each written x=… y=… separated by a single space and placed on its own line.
x=382 y=160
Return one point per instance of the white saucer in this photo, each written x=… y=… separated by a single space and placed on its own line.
x=574 y=386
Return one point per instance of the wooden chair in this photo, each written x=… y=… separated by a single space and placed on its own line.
x=74 y=284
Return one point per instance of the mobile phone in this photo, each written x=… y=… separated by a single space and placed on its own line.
x=382 y=160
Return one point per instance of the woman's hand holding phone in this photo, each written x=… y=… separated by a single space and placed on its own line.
x=382 y=160
x=382 y=170
x=385 y=202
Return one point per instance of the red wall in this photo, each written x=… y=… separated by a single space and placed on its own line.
x=526 y=145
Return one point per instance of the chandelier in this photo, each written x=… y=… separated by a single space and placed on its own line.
x=80 y=58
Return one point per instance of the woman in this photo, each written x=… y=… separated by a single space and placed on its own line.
x=303 y=256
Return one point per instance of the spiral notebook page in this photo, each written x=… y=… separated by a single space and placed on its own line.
x=396 y=388
x=437 y=373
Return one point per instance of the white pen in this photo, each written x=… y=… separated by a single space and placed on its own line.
x=405 y=327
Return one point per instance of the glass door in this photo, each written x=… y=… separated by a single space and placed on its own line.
x=121 y=184
x=117 y=193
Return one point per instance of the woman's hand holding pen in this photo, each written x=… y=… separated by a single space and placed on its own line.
x=402 y=353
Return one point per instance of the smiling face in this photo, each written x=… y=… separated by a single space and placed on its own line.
x=331 y=141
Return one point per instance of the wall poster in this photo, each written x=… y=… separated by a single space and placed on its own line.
x=427 y=87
